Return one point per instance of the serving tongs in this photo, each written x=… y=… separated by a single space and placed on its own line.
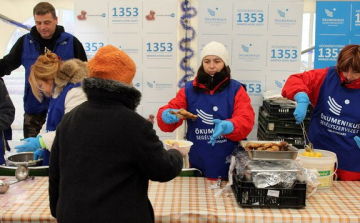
x=308 y=147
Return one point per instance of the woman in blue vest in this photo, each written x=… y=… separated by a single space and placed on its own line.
x=60 y=81
x=224 y=110
x=334 y=93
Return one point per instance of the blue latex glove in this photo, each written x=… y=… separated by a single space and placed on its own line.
x=169 y=118
x=303 y=102
x=357 y=140
x=222 y=127
x=38 y=154
x=31 y=145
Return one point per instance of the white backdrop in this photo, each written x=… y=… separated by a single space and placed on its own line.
x=263 y=38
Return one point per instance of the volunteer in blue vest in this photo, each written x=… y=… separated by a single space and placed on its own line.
x=46 y=34
x=335 y=94
x=61 y=81
x=7 y=116
x=225 y=114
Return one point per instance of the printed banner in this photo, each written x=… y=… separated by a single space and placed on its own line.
x=337 y=25
x=147 y=32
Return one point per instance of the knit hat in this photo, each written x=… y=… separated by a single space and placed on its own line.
x=215 y=49
x=112 y=63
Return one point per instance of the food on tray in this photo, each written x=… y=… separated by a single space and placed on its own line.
x=183 y=114
x=268 y=146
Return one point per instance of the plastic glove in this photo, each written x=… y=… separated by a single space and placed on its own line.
x=31 y=145
x=38 y=154
x=303 y=102
x=357 y=140
x=222 y=127
x=169 y=118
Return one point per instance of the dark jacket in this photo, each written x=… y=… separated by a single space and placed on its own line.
x=103 y=157
x=7 y=115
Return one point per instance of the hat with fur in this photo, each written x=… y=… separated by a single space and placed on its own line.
x=215 y=49
x=70 y=71
x=112 y=63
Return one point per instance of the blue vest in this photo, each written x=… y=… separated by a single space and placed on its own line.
x=64 y=48
x=336 y=120
x=55 y=114
x=211 y=160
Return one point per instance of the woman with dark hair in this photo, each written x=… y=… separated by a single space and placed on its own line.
x=334 y=93
x=225 y=114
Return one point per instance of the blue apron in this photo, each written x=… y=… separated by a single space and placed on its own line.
x=211 y=160
x=55 y=113
x=336 y=120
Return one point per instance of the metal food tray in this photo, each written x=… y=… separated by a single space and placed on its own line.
x=291 y=154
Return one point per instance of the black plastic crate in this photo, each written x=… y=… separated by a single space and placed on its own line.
x=295 y=140
x=274 y=125
x=283 y=109
x=247 y=195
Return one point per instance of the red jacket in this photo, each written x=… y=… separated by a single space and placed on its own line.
x=310 y=82
x=242 y=117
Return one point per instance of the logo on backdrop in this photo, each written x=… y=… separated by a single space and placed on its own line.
x=279 y=84
x=284 y=20
x=151 y=15
x=159 y=86
x=82 y=16
x=213 y=19
x=248 y=55
x=245 y=48
x=212 y=12
x=334 y=107
x=330 y=13
x=282 y=13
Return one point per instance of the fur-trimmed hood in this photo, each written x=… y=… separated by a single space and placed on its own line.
x=110 y=91
x=71 y=71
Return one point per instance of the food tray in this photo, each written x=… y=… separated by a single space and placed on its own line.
x=275 y=125
x=291 y=154
x=297 y=141
x=283 y=109
x=247 y=195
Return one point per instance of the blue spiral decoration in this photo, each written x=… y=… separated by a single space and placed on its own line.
x=189 y=12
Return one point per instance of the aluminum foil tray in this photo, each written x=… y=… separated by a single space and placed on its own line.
x=291 y=154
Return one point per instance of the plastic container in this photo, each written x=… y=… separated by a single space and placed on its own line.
x=283 y=109
x=275 y=125
x=297 y=141
x=326 y=166
x=247 y=195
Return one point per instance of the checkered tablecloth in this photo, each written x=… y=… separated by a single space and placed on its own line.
x=190 y=199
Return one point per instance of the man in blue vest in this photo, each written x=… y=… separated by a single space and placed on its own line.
x=46 y=34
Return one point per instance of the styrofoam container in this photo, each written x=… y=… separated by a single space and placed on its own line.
x=184 y=144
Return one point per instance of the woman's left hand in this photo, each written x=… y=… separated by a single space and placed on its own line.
x=222 y=127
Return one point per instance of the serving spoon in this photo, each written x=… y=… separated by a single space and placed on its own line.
x=21 y=174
